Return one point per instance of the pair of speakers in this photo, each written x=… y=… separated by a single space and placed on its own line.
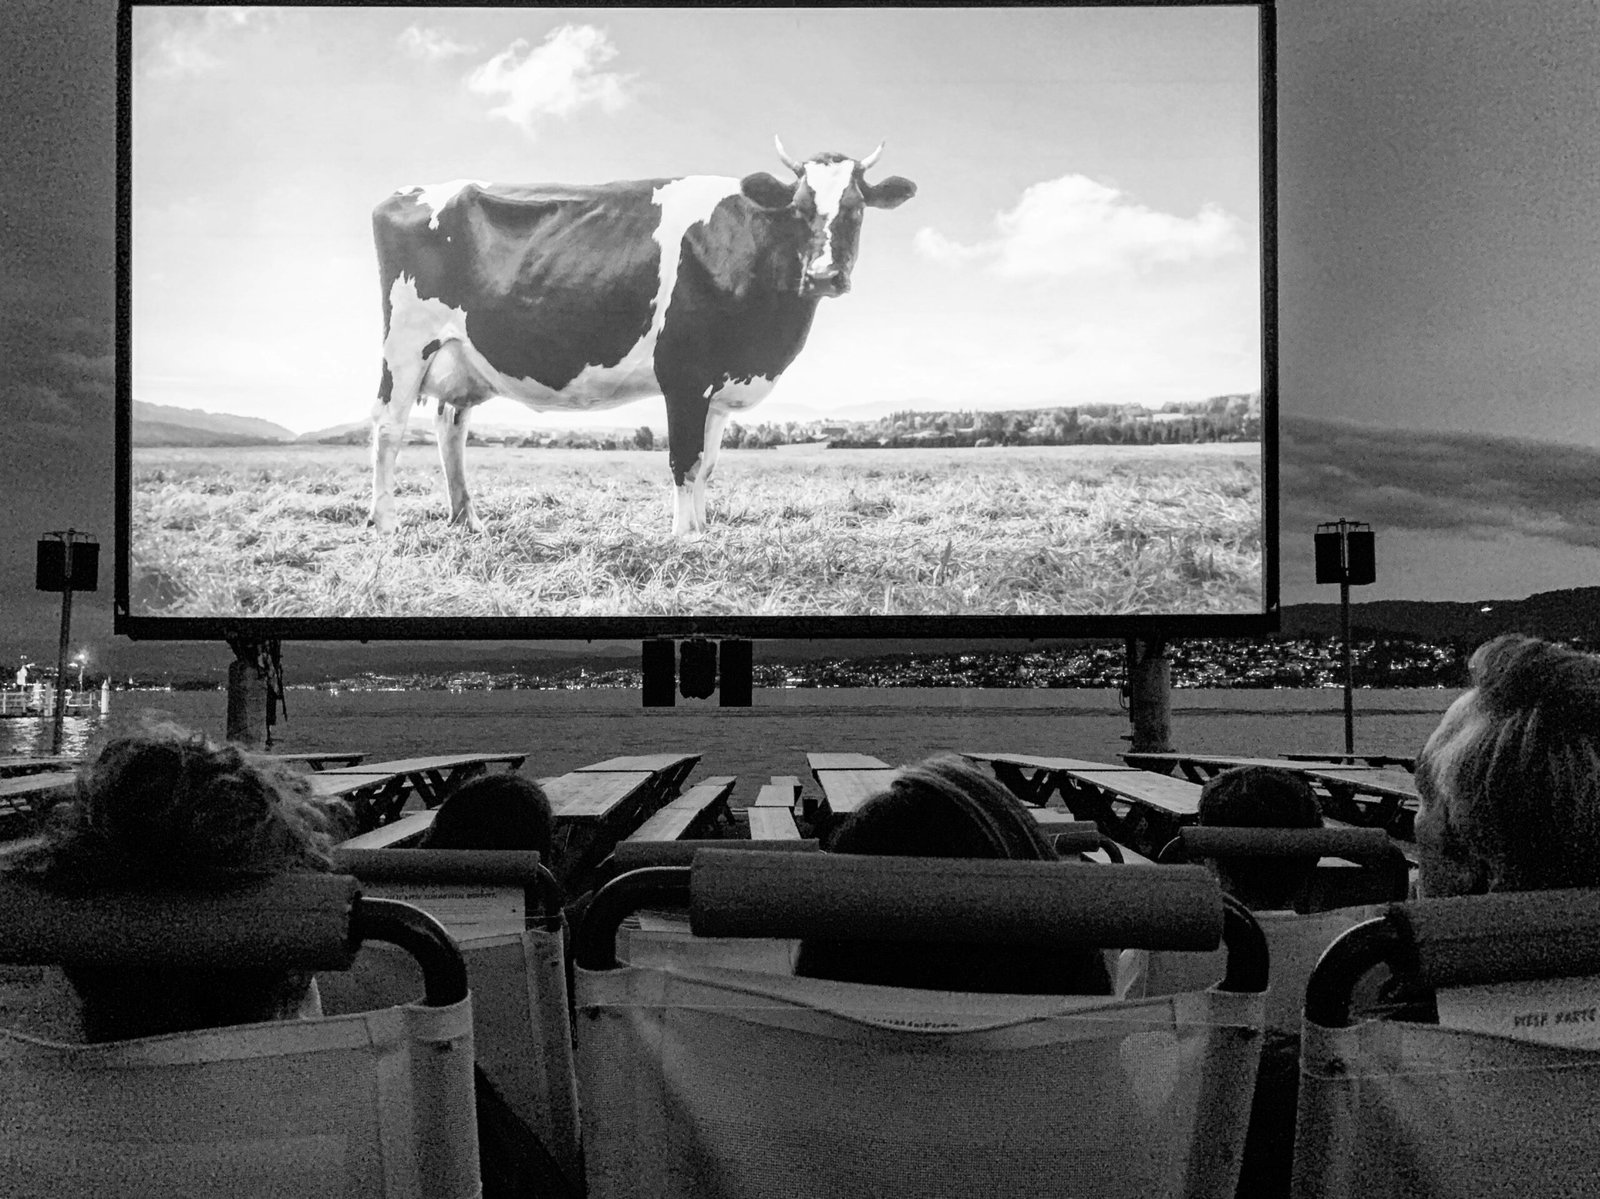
x=695 y=669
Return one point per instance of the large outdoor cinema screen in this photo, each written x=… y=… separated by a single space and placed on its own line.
x=467 y=322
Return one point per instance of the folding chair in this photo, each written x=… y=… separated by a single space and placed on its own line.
x=375 y=1104
x=503 y=908
x=1500 y=1104
x=665 y=939
x=704 y=1081
x=1294 y=942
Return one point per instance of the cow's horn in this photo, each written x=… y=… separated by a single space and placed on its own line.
x=794 y=166
x=866 y=163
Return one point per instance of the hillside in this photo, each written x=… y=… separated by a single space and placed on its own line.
x=165 y=425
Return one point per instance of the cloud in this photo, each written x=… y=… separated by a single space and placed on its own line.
x=430 y=45
x=558 y=78
x=185 y=44
x=1076 y=226
x=1440 y=483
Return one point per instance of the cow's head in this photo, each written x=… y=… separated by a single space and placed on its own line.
x=828 y=196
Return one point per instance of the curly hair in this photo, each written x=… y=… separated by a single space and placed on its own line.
x=170 y=810
x=1510 y=779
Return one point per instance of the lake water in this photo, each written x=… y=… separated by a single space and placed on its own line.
x=561 y=730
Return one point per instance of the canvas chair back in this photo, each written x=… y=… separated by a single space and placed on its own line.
x=503 y=908
x=378 y=1104
x=699 y=1080
x=1496 y=1104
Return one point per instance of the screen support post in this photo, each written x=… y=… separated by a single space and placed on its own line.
x=255 y=690
x=1149 y=691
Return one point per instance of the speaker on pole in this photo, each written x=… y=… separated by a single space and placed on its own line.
x=734 y=683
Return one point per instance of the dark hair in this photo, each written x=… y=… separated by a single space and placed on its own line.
x=945 y=808
x=1510 y=780
x=1261 y=797
x=169 y=809
x=493 y=811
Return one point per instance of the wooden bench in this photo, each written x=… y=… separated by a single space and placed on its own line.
x=776 y=795
x=706 y=801
x=394 y=834
x=773 y=824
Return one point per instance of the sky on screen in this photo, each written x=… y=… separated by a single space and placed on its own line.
x=1085 y=229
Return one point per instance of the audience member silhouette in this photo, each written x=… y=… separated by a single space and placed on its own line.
x=171 y=809
x=508 y=812
x=493 y=811
x=1510 y=780
x=945 y=808
x=1261 y=797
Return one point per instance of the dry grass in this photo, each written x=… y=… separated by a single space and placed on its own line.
x=1010 y=531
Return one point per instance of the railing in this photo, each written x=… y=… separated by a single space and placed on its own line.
x=40 y=700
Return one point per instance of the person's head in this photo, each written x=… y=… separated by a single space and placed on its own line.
x=1261 y=797
x=945 y=808
x=171 y=810
x=493 y=811
x=1510 y=779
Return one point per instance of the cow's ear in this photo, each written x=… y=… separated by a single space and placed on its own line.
x=763 y=189
x=891 y=193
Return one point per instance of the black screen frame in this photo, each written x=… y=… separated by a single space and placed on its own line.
x=579 y=628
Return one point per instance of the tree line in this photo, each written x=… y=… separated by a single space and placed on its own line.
x=1220 y=418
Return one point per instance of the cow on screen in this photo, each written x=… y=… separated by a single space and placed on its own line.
x=700 y=290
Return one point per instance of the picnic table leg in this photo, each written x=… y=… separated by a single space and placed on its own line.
x=1033 y=789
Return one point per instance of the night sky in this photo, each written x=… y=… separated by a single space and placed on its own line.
x=1439 y=274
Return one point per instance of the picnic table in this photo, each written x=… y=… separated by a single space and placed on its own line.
x=1366 y=796
x=1198 y=768
x=1133 y=807
x=847 y=781
x=20 y=796
x=317 y=760
x=595 y=806
x=13 y=767
x=1406 y=762
x=380 y=791
x=1034 y=779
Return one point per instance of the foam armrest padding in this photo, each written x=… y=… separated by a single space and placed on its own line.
x=520 y=866
x=631 y=855
x=1081 y=836
x=1222 y=842
x=298 y=920
x=1505 y=937
x=953 y=900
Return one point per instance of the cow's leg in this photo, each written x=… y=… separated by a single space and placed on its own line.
x=450 y=425
x=716 y=419
x=686 y=432
x=397 y=392
x=448 y=385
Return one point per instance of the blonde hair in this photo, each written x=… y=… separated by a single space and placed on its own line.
x=1510 y=780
